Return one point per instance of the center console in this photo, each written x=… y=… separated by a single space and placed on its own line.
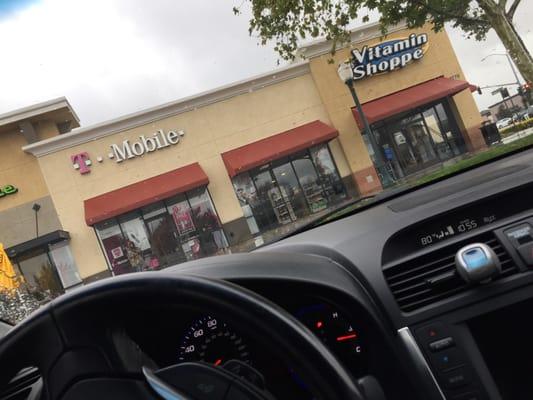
x=475 y=338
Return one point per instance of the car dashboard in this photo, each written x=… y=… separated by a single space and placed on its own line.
x=339 y=316
x=382 y=290
x=391 y=270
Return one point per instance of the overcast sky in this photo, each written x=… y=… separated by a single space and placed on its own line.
x=113 y=57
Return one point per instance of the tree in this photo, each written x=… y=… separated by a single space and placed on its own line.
x=506 y=112
x=289 y=21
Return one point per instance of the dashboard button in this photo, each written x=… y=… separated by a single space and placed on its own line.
x=526 y=252
x=442 y=344
x=457 y=378
x=447 y=359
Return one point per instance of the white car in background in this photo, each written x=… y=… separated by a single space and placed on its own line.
x=504 y=123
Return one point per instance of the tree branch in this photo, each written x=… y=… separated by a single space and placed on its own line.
x=512 y=10
x=450 y=15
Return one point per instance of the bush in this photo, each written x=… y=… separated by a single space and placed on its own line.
x=517 y=127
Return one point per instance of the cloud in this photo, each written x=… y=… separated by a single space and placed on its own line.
x=8 y=7
x=112 y=57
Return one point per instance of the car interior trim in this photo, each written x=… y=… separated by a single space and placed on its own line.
x=416 y=354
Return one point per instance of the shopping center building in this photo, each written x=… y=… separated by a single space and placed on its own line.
x=201 y=175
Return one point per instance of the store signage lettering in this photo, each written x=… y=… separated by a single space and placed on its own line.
x=388 y=56
x=81 y=162
x=7 y=190
x=159 y=140
x=128 y=149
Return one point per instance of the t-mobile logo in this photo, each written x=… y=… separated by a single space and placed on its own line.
x=81 y=162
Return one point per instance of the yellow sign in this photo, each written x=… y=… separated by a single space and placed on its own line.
x=8 y=277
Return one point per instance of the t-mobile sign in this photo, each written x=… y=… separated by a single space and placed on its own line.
x=145 y=144
x=129 y=149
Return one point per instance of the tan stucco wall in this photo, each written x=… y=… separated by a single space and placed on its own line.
x=20 y=170
x=209 y=131
x=439 y=60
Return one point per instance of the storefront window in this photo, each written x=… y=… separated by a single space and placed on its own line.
x=287 y=189
x=308 y=178
x=39 y=273
x=166 y=249
x=211 y=236
x=441 y=144
x=290 y=189
x=453 y=140
x=269 y=207
x=327 y=172
x=112 y=242
x=181 y=214
x=247 y=196
x=63 y=260
x=136 y=244
x=163 y=234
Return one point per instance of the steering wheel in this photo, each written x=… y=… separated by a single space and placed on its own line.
x=69 y=340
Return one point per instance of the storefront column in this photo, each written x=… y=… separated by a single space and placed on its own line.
x=469 y=120
x=338 y=102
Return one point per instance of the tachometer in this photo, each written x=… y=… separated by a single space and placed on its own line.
x=211 y=341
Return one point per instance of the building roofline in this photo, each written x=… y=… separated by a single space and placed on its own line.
x=504 y=100
x=37 y=109
x=358 y=35
x=82 y=135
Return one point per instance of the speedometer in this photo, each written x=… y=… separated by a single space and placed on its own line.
x=212 y=341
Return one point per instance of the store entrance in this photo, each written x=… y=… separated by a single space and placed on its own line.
x=274 y=205
x=419 y=139
x=413 y=144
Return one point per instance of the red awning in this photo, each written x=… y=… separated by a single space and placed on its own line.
x=277 y=146
x=410 y=98
x=142 y=193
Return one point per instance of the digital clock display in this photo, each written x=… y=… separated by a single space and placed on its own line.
x=457 y=222
x=446 y=232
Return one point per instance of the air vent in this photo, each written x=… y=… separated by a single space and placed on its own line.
x=432 y=277
x=26 y=385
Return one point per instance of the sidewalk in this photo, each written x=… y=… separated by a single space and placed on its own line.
x=517 y=135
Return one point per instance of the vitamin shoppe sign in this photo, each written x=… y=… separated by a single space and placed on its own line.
x=7 y=190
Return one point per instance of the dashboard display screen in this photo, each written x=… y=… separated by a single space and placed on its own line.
x=457 y=222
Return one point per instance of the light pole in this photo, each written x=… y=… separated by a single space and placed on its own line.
x=515 y=73
x=36 y=207
x=346 y=75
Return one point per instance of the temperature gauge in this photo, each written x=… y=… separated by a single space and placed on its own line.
x=337 y=332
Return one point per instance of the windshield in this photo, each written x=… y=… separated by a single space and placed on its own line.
x=140 y=135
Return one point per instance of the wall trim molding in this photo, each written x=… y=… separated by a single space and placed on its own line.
x=107 y=128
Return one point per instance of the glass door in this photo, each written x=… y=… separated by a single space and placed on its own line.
x=271 y=206
x=308 y=178
x=413 y=143
x=166 y=249
x=290 y=189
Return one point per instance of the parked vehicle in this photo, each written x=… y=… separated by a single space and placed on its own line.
x=503 y=123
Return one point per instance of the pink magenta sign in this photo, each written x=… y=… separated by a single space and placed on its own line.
x=81 y=162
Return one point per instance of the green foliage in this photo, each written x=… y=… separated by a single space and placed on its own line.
x=287 y=22
x=506 y=112
x=517 y=127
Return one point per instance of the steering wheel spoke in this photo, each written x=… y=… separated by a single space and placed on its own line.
x=201 y=381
